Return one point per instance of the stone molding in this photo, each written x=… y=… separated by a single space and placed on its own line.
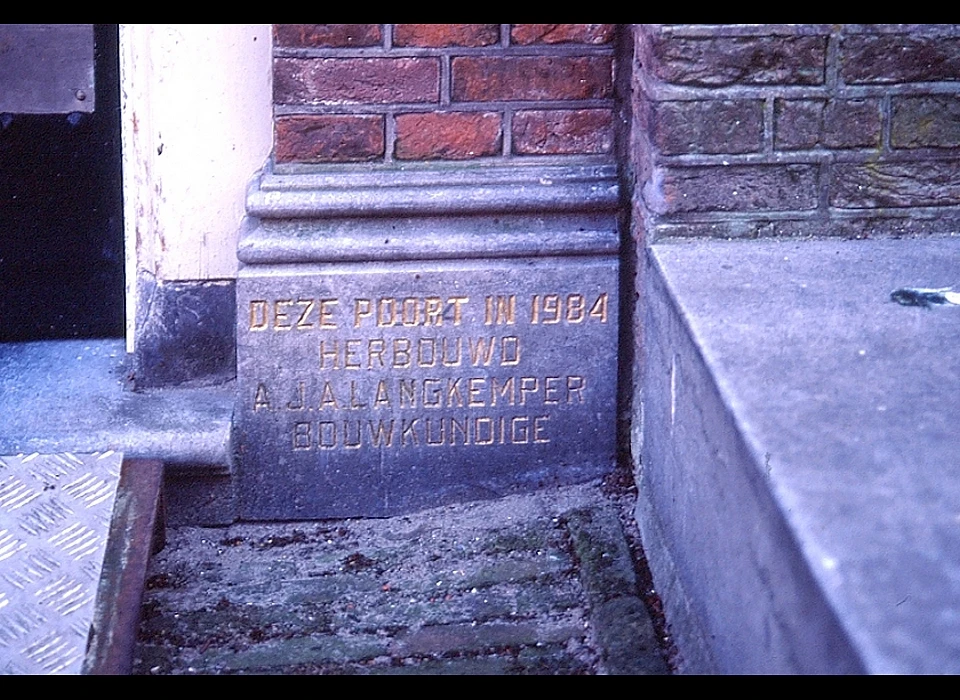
x=312 y=215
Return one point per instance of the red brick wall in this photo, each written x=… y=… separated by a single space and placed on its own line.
x=803 y=129
x=417 y=92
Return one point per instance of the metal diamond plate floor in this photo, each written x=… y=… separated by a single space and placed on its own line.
x=55 y=512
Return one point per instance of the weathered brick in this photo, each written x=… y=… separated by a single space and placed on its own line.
x=440 y=35
x=327 y=35
x=719 y=61
x=563 y=132
x=899 y=58
x=485 y=78
x=714 y=126
x=826 y=123
x=355 y=80
x=734 y=188
x=448 y=135
x=329 y=138
x=526 y=34
x=930 y=121
x=914 y=184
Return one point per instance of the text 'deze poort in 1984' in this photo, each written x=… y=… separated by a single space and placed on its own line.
x=372 y=392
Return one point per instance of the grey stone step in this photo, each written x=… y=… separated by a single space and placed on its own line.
x=72 y=395
x=799 y=496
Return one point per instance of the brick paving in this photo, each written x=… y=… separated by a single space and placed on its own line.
x=540 y=583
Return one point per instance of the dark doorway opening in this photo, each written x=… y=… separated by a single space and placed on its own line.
x=61 y=215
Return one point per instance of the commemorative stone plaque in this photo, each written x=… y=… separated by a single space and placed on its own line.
x=381 y=387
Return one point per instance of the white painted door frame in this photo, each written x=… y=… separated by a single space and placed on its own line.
x=196 y=122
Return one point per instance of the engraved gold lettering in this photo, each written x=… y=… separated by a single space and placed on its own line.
x=361 y=309
x=280 y=318
x=427 y=432
x=347 y=442
x=401 y=352
x=326 y=313
x=327 y=398
x=382 y=435
x=425 y=359
x=575 y=386
x=383 y=397
x=302 y=322
x=599 y=308
x=475 y=387
x=432 y=393
x=327 y=434
x=457 y=312
x=297 y=404
x=575 y=308
x=410 y=311
x=507 y=309
x=351 y=359
x=484 y=435
x=528 y=385
x=518 y=430
x=455 y=360
x=328 y=353
x=408 y=429
x=385 y=304
x=375 y=348
x=354 y=403
x=258 y=315
x=539 y=428
x=481 y=351
x=261 y=399
x=480 y=430
x=550 y=389
x=301 y=436
x=408 y=393
x=500 y=309
x=505 y=390
x=395 y=404
x=302 y=313
x=458 y=427
x=551 y=308
x=453 y=392
x=509 y=350
x=433 y=311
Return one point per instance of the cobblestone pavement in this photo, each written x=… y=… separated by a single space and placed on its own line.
x=541 y=583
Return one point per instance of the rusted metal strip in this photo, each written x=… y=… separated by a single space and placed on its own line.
x=136 y=532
